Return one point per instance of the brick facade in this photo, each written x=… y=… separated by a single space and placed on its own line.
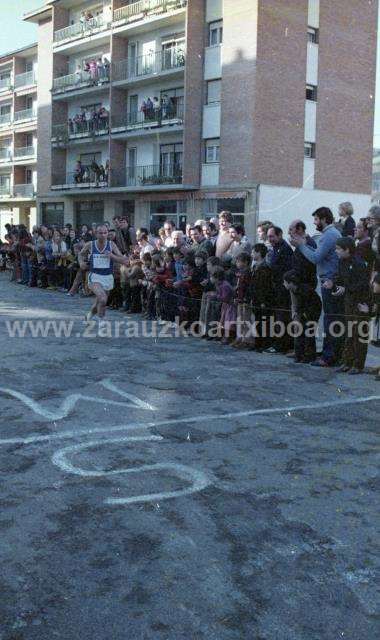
x=346 y=95
x=279 y=106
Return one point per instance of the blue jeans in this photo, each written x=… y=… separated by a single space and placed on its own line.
x=333 y=310
x=25 y=270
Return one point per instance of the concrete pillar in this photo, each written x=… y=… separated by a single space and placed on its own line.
x=69 y=215
x=142 y=214
x=192 y=139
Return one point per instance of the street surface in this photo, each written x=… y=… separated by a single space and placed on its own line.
x=175 y=489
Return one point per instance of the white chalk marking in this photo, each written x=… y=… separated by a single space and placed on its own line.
x=190 y=420
x=197 y=479
x=69 y=403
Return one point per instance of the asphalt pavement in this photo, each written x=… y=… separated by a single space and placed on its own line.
x=174 y=489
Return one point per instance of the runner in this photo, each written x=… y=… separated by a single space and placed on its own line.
x=97 y=257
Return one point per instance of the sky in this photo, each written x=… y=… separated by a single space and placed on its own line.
x=15 y=34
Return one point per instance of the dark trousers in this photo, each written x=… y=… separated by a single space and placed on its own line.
x=262 y=320
x=333 y=309
x=356 y=336
x=305 y=345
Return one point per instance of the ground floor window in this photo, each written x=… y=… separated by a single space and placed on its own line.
x=89 y=212
x=162 y=210
x=129 y=211
x=212 y=207
x=53 y=213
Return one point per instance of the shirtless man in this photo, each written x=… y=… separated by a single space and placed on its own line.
x=97 y=257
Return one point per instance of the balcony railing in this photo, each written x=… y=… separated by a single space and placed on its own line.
x=80 y=29
x=25 y=79
x=79 y=80
x=150 y=64
x=5 y=154
x=78 y=130
x=5 y=190
x=25 y=114
x=5 y=83
x=6 y=118
x=24 y=190
x=23 y=152
x=146 y=8
x=166 y=116
x=86 y=180
x=154 y=174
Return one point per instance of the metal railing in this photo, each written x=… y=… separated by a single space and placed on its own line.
x=80 y=29
x=5 y=153
x=79 y=80
x=77 y=130
x=167 y=115
x=149 y=64
x=21 y=152
x=5 y=83
x=24 y=190
x=6 y=118
x=88 y=178
x=25 y=79
x=25 y=114
x=144 y=8
x=154 y=174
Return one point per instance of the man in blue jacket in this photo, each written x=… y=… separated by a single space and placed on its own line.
x=326 y=260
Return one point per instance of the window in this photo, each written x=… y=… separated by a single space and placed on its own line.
x=29 y=140
x=5 y=109
x=173 y=51
x=53 y=213
x=5 y=183
x=6 y=75
x=171 y=159
x=172 y=101
x=212 y=151
x=88 y=158
x=214 y=88
x=29 y=102
x=29 y=65
x=313 y=35
x=89 y=211
x=129 y=211
x=236 y=206
x=131 y=168
x=133 y=109
x=309 y=150
x=215 y=33
x=28 y=176
x=163 y=210
x=311 y=92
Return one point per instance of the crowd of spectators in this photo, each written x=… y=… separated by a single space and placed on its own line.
x=95 y=71
x=93 y=173
x=89 y=121
x=233 y=291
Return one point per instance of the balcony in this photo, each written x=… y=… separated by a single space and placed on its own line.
x=143 y=9
x=5 y=84
x=151 y=64
x=87 y=180
x=24 y=152
x=5 y=191
x=5 y=154
x=27 y=79
x=5 y=119
x=25 y=114
x=165 y=117
x=153 y=175
x=24 y=191
x=81 y=29
x=77 y=131
x=78 y=80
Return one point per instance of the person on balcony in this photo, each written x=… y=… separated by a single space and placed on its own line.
x=78 y=173
x=100 y=70
x=103 y=118
x=93 y=70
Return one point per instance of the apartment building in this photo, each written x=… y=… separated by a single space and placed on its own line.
x=18 y=137
x=262 y=107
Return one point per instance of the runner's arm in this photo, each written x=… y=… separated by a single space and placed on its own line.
x=117 y=256
x=83 y=256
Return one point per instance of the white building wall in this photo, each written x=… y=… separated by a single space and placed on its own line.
x=313 y=19
x=214 y=10
x=281 y=205
x=213 y=62
x=312 y=64
x=211 y=120
x=310 y=121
